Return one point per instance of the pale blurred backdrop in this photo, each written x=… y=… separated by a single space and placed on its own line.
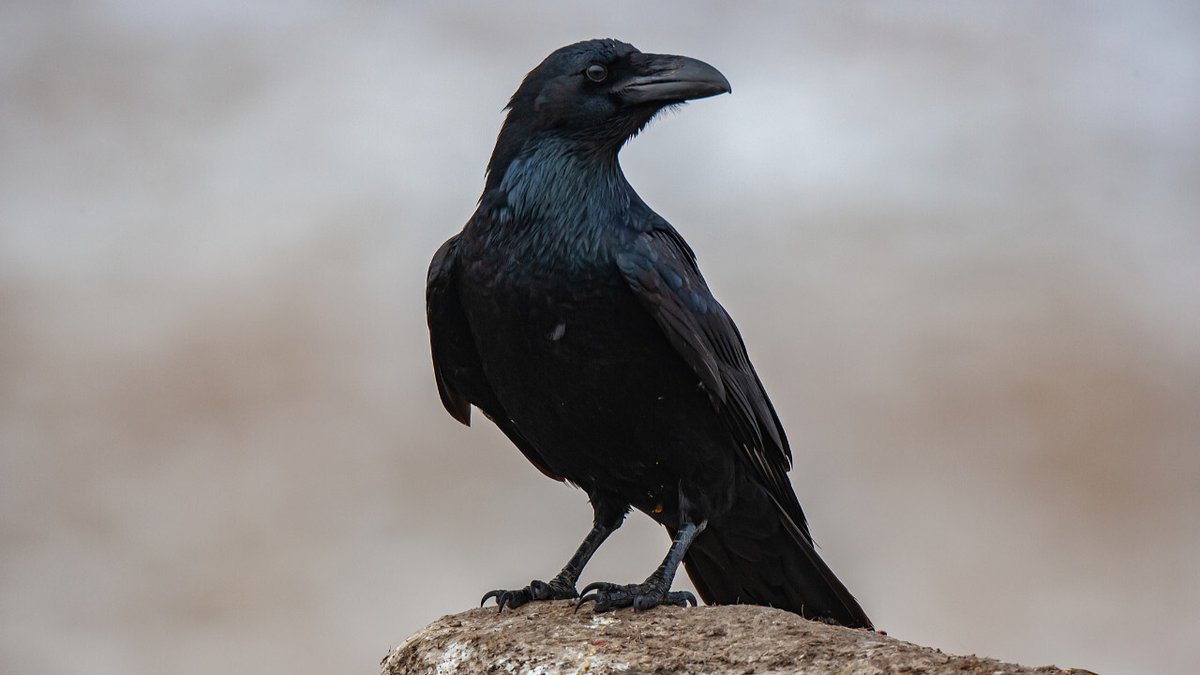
x=962 y=241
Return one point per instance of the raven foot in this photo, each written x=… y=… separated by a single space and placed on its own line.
x=557 y=589
x=639 y=596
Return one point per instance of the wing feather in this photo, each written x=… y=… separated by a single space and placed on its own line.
x=661 y=270
x=460 y=378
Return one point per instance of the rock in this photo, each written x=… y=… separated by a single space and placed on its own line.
x=550 y=637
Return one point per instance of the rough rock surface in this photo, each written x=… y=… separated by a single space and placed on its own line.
x=550 y=637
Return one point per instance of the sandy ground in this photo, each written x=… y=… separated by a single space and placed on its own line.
x=961 y=241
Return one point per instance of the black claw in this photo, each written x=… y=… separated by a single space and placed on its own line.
x=587 y=595
x=681 y=599
x=488 y=596
x=597 y=586
x=510 y=599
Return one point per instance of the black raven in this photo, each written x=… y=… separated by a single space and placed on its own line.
x=575 y=318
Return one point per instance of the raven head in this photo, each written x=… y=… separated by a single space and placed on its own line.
x=596 y=94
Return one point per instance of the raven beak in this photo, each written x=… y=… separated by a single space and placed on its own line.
x=666 y=79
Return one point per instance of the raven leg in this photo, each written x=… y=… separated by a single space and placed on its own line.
x=656 y=589
x=607 y=517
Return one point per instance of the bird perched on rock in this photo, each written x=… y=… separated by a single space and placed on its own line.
x=576 y=319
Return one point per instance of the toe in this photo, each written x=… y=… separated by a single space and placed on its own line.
x=514 y=599
x=551 y=591
x=680 y=599
x=510 y=599
x=597 y=593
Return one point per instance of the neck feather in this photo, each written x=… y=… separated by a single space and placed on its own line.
x=557 y=181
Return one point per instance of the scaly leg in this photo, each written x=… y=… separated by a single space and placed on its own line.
x=656 y=589
x=608 y=516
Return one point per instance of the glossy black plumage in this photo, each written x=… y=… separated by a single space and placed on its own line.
x=576 y=319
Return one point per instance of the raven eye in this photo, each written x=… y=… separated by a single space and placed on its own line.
x=596 y=72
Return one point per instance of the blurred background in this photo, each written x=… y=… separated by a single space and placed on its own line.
x=962 y=241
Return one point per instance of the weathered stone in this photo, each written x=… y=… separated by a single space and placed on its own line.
x=550 y=637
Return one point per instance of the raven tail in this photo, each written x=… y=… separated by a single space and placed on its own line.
x=757 y=554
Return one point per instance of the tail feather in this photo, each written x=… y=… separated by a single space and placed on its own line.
x=758 y=555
